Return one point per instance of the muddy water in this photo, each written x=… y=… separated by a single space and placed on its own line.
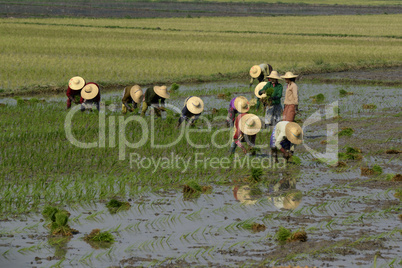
x=207 y=230
x=335 y=206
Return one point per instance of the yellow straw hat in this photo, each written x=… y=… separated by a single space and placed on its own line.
x=76 y=83
x=241 y=104
x=289 y=75
x=274 y=75
x=294 y=133
x=195 y=105
x=89 y=91
x=136 y=93
x=162 y=92
x=258 y=88
x=255 y=71
x=250 y=124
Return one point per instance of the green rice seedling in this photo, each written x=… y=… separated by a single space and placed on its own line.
x=174 y=87
x=255 y=227
x=299 y=235
x=377 y=169
x=347 y=131
x=344 y=93
x=49 y=213
x=256 y=174
x=283 y=234
x=295 y=160
x=115 y=205
x=60 y=225
x=97 y=236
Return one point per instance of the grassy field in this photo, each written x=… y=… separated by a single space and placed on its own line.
x=42 y=54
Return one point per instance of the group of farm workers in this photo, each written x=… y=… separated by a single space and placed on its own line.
x=88 y=94
x=285 y=133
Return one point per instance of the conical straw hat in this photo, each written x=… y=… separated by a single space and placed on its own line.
x=255 y=71
x=289 y=75
x=136 y=93
x=195 y=105
x=250 y=124
x=76 y=83
x=294 y=133
x=258 y=88
x=89 y=91
x=241 y=104
x=162 y=92
x=274 y=75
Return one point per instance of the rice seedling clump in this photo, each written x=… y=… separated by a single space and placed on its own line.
x=369 y=106
x=284 y=234
x=59 y=221
x=397 y=177
x=115 y=205
x=392 y=151
x=193 y=189
x=344 y=93
x=98 y=239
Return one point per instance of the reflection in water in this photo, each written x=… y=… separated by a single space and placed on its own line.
x=283 y=194
x=290 y=197
x=60 y=245
x=246 y=194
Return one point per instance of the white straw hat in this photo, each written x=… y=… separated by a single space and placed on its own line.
x=255 y=71
x=250 y=124
x=76 y=83
x=162 y=92
x=243 y=195
x=89 y=91
x=294 y=133
x=195 y=105
x=241 y=104
x=258 y=88
x=274 y=75
x=136 y=93
x=289 y=75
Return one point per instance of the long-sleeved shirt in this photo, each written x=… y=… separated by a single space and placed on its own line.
x=292 y=94
x=238 y=135
x=280 y=135
x=151 y=98
x=276 y=95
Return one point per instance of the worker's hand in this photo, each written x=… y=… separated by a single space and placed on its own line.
x=244 y=150
x=263 y=95
x=131 y=109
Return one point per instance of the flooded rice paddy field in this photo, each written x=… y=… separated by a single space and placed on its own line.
x=351 y=219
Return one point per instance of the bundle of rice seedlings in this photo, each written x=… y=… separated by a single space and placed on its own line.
x=397 y=177
x=98 y=239
x=347 y=131
x=115 y=205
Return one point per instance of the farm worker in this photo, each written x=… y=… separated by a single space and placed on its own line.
x=273 y=112
x=155 y=97
x=193 y=107
x=246 y=128
x=291 y=102
x=131 y=95
x=232 y=111
x=285 y=136
x=90 y=95
x=74 y=90
x=259 y=72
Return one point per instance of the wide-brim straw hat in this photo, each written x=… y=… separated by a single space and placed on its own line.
x=255 y=71
x=136 y=93
x=241 y=104
x=162 y=92
x=289 y=75
x=195 y=105
x=286 y=202
x=250 y=124
x=76 y=83
x=274 y=75
x=294 y=133
x=89 y=91
x=258 y=88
